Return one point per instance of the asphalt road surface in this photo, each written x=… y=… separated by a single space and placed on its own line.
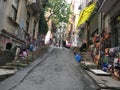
x=59 y=71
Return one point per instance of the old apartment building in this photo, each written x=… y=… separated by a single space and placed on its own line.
x=19 y=20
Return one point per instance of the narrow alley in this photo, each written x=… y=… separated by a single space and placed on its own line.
x=58 y=71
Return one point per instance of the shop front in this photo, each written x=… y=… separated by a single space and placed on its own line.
x=110 y=38
x=82 y=23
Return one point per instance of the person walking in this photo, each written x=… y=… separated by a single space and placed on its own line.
x=64 y=43
x=84 y=46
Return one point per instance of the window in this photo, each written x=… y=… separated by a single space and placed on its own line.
x=61 y=36
x=115 y=32
x=27 y=26
x=58 y=36
x=27 y=21
x=13 y=13
x=14 y=8
x=34 y=28
x=28 y=16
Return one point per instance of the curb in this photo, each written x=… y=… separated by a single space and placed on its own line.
x=99 y=85
x=15 y=80
x=86 y=68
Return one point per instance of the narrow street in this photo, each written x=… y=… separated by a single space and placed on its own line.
x=59 y=71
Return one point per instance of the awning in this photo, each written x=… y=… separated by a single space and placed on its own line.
x=85 y=14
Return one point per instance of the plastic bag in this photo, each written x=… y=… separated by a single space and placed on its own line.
x=48 y=37
x=78 y=57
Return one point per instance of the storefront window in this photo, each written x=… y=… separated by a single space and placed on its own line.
x=115 y=32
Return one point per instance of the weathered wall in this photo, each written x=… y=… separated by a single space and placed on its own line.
x=6 y=56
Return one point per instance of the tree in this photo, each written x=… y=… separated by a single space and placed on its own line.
x=59 y=11
x=43 y=28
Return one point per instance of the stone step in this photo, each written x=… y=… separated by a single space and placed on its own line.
x=100 y=72
x=89 y=65
x=5 y=73
x=10 y=67
x=23 y=61
x=17 y=64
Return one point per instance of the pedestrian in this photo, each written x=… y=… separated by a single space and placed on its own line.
x=31 y=47
x=25 y=54
x=64 y=43
x=84 y=46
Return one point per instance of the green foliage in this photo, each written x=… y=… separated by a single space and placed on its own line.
x=43 y=28
x=59 y=11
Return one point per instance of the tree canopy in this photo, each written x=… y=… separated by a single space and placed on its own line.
x=59 y=11
x=43 y=28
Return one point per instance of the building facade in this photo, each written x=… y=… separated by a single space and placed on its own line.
x=19 y=22
x=110 y=37
x=103 y=30
x=72 y=32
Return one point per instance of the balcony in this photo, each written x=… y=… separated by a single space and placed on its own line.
x=106 y=5
x=34 y=6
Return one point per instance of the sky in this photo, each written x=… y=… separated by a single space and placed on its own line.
x=68 y=1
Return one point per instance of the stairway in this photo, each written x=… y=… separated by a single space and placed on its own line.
x=12 y=67
x=87 y=61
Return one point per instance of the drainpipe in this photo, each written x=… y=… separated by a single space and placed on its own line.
x=88 y=31
x=101 y=5
x=100 y=21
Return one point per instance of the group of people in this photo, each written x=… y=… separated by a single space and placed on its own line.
x=23 y=51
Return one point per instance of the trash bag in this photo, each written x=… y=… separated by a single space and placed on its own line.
x=78 y=57
x=48 y=37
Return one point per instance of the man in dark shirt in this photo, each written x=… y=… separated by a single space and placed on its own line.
x=83 y=47
x=64 y=43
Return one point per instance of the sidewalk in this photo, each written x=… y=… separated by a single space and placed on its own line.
x=104 y=81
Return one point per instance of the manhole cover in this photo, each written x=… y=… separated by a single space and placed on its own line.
x=58 y=69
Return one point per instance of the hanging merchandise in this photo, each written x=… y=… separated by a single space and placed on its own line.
x=97 y=58
x=116 y=64
x=107 y=35
x=101 y=39
x=106 y=52
x=96 y=38
x=112 y=52
x=105 y=67
x=106 y=60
